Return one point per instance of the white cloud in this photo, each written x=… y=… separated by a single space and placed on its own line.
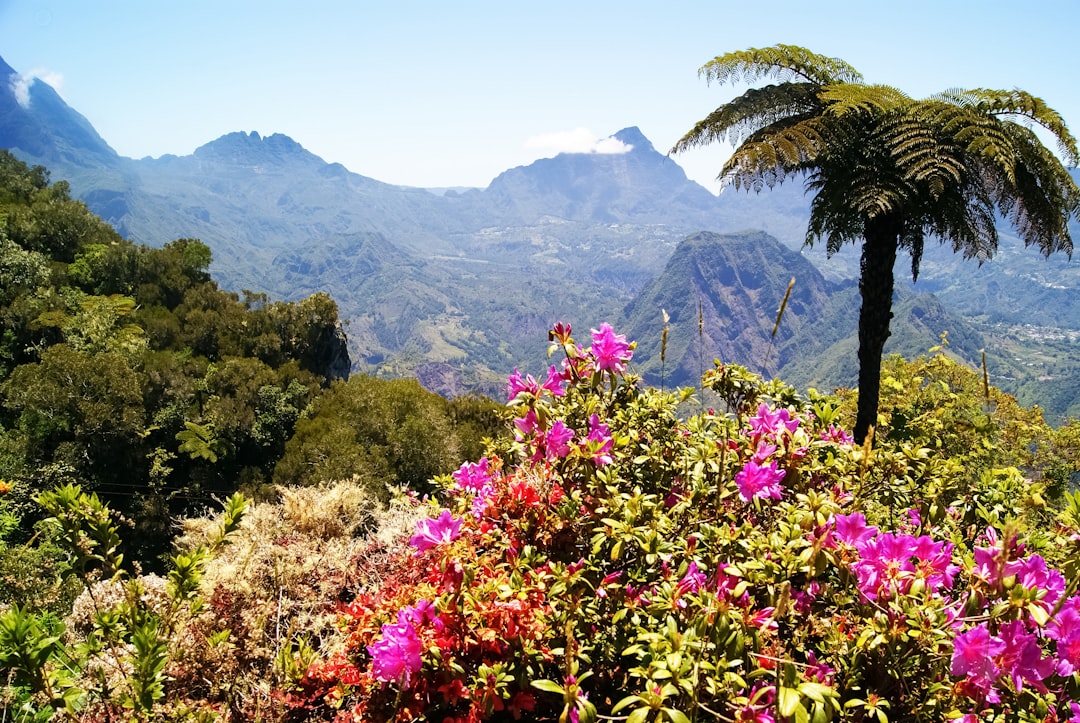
x=579 y=140
x=21 y=82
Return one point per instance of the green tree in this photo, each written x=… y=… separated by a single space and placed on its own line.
x=382 y=432
x=887 y=170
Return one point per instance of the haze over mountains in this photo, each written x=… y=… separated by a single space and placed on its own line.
x=458 y=287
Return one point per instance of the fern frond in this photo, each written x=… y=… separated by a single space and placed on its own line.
x=780 y=62
x=844 y=98
x=1023 y=105
x=918 y=153
x=773 y=154
x=753 y=110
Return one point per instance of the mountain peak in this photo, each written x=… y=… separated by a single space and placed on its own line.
x=633 y=137
x=37 y=125
x=253 y=149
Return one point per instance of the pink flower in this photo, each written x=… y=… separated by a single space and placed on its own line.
x=599 y=444
x=1064 y=629
x=974 y=652
x=516 y=385
x=1033 y=574
x=764 y=451
x=755 y=480
x=610 y=349
x=759 y=707
x=820 y=672
x=886 y=566
x=558 y=440
x=772 y=423
x=473 y=477
x=431 y=533
x=554 y=382
x=1022 y=657
x=934 y=562
x=852 y=529
x=692 y=581
x=837 y=435
x=420 y=613
x=526 y=425
x=396 y=655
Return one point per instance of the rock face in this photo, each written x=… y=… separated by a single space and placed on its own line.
x=737 y=282
x=441 y=378
x=332 y=353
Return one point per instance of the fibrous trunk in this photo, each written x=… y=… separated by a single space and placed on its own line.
x=876 y=289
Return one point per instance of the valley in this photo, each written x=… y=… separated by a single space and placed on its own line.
x=457 y=286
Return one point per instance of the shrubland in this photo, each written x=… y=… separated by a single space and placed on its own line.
x=625 y=553
x=618 y=552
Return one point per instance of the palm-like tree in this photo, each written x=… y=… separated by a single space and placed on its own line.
x=889 y=171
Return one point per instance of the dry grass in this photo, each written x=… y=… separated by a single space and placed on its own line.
x=281 y=578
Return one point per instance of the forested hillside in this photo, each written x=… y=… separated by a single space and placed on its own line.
x=127 y=370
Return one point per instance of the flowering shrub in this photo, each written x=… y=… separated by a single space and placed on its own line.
x=613 y=560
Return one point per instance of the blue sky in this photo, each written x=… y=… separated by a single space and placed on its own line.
x=451 y=94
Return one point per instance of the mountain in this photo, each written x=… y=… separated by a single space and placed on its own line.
x=463 y=283
x=735 y=284
x=36 y=123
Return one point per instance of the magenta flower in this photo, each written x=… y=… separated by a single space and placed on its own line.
x=396 y=655
x=610 y=349
x=473 y=477
x=852 y=529
x=1021 y=657
x=515 y=385
x=837 y=435
x=755 y=480
x=611 y=577
x=974 y=652
x=692 y=581
x=818 y=671
x=599 y=444
x=420 y=613
x=481 y=501
x=886 y=566
x=558 y=440
x=554 y=382
x=764 y=451
x=934 y=562
x=772 y=423
x=1033 y=574
x=431 y=533
x=759 y=707
x=1064 y=629
x=526 y=425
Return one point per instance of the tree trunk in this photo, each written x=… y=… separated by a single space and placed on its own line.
x=876 y=288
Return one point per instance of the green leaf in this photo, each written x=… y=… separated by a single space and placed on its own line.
x=676 y=716
x=815 y=691
x=789 y=701
x=548 y=686
x=1038 y=614
x=626 y=701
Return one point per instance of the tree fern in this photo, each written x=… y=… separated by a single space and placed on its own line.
x=891 y=171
